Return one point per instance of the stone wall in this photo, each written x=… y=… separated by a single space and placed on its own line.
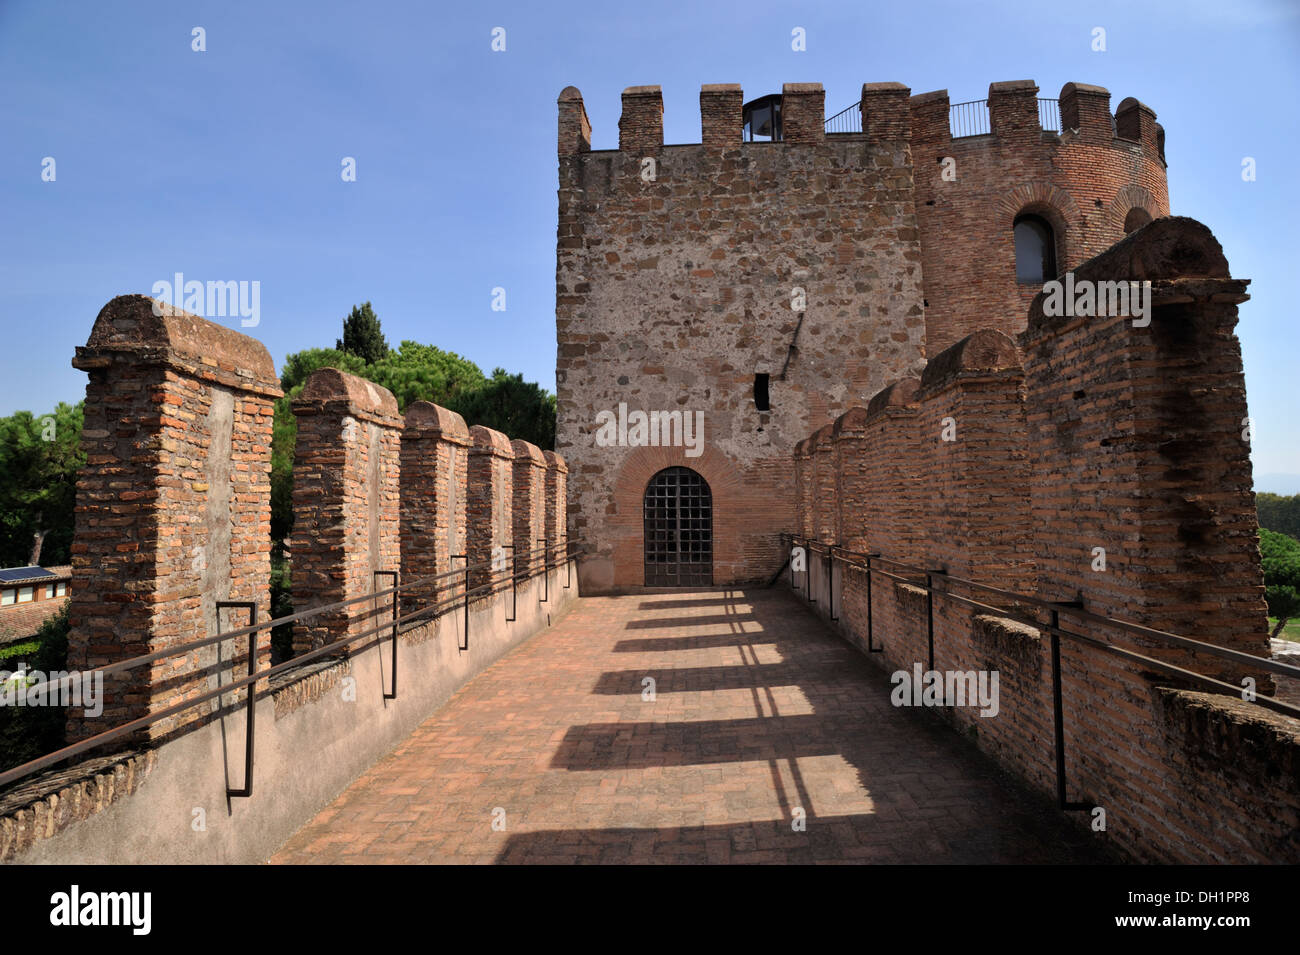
x=676 y=273
x=1090 y=432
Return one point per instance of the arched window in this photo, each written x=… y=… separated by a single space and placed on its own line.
x=1137 y=217
x=1035 y=250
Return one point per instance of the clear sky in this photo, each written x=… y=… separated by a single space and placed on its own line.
x=225 y=164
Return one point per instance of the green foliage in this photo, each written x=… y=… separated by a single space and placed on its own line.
x=1279 y=513
x=21 y=651
x=518 y=408
x=362 y=335
x=39 y=460
x=28 y=732
x=1281 y=559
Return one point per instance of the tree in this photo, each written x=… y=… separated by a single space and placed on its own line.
x=1279 y=513
x=517 y=408
x=362 y=335
x=39 y=461
x=1281 y=559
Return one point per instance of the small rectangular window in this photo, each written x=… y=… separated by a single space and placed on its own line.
x=6 y=598
x=24 y=594
x=60 y=590
x=761 y=401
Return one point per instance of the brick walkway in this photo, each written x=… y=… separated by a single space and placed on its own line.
x=759 y=711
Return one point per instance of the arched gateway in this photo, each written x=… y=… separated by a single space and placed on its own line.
x=678 y=530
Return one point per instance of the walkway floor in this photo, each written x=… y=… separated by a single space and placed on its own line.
x=758 y=711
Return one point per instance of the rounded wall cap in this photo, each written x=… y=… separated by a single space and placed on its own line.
x=1086 y=88
x=556 y=461
x=330 y=385
x=569 y=94
x=852 y=420
x=142 y=324
x=985 y=350
x=1129 y=103
x=427 y=416
x=526 y=451
x=485 y=439
x=900 y=394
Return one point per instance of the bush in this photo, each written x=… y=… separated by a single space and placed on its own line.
x=29 y=732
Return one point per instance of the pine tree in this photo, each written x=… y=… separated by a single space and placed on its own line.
x=362 y=335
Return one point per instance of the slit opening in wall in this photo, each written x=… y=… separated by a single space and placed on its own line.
x=761 y=399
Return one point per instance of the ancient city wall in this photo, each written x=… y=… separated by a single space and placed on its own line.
x=1088 y=434
x=178 y=425
x=676 y=273
x=1084 y=180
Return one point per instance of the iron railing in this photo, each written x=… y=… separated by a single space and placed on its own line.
x=538 y=560
x=847 y=120
x=969 y=119
x=964 y=119
x=1049 y=114
x=926 y=579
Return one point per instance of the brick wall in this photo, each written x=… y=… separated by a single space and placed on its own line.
x=490 y=500
x=434 y=476
x=1083 y=181
x=1111 y=435
x=557 y=506
x=346 y=502
x=528 y=507
x=673 y=292
x=173 y=505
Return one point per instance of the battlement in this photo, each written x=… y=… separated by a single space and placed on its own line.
x=885 y=112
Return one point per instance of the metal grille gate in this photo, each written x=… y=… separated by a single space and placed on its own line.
x=678 y=530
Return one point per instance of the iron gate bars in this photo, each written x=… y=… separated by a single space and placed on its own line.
x=250 y=708
x=678 y=529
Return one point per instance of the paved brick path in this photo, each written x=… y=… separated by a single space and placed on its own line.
x=759 y=711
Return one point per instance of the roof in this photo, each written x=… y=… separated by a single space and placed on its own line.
x=30 y=574
x=22 y=621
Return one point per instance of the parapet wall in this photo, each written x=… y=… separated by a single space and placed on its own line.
x=178 y=426
x=1097 y=462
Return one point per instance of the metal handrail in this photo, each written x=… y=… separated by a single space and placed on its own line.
x=1056 y=632
x=99 y=739
x=850 y=123
x=969 y=119
x=1263 y=663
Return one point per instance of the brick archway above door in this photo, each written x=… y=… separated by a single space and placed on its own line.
x=626 y=517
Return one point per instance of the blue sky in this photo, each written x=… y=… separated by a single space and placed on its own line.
x=225 y=165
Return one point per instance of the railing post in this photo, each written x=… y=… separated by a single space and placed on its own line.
x=464 y=557
x=546 y=569
x=390 y=695
x=250 y=706
x=871 y=647
x=514 y=581
x=1058 y=715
